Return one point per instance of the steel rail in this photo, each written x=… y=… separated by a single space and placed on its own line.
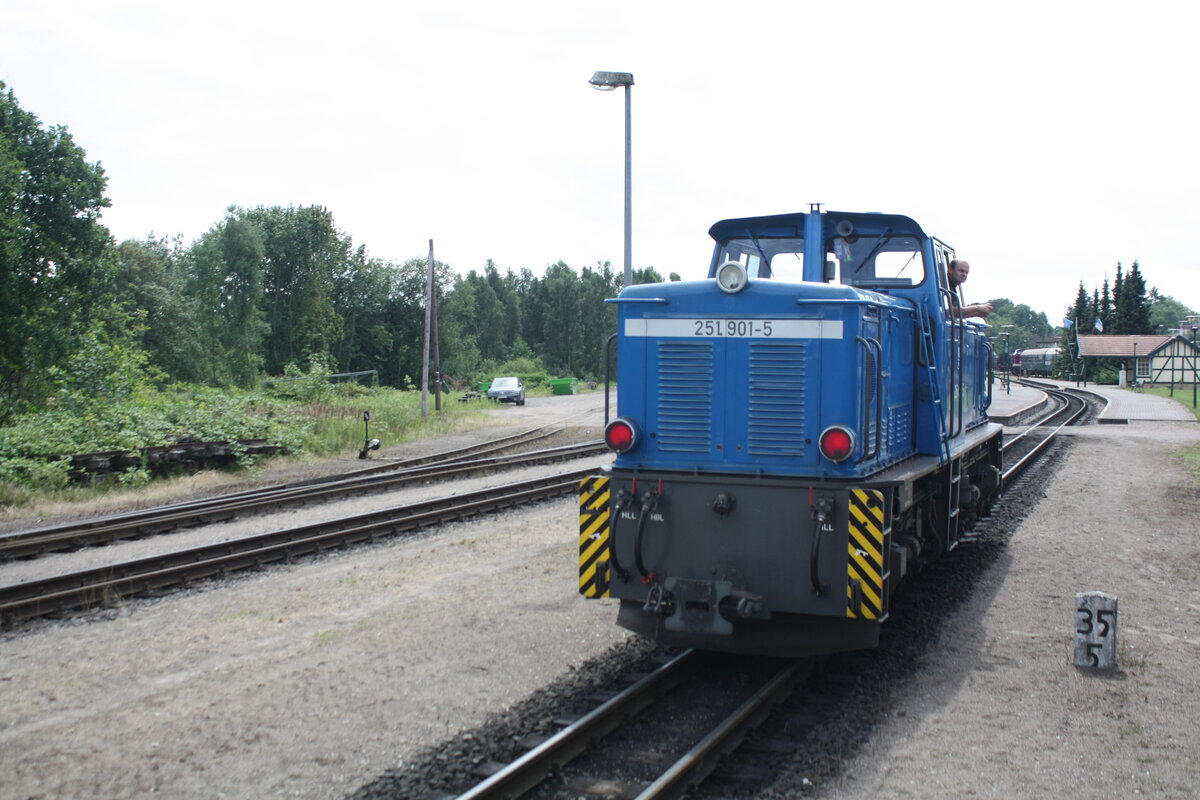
x=1033 y=426
x=106 y=584
x=1070 y=417
x=532 y=768
x=699 y=762
x=445 y=457
x=38 y=542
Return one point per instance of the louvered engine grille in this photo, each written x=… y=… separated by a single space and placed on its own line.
x=777 y=399
x=685 y=397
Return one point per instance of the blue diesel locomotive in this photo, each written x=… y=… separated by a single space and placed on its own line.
x=794 y=435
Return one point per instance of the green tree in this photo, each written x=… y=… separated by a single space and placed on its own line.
x=303 y=251
x=597 y=320
x=1133 y=309
x=407 y=316
x=362 y=297
x=531 y=295
x=647 y=275
x=488 y=325
x=560 y=320
x=152 y=287
x=1080 y=314
x=227 y=282
x=54 y=282
x=1166 y=312
x=1026 y=328
x=456 y=331
x=1104 y=310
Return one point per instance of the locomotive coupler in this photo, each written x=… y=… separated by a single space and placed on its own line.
x=659 y=601
x=722 y=504
x=749 y=606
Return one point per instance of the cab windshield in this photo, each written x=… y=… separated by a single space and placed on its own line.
x=876 y=261
x=781 y=258
x=869 y=261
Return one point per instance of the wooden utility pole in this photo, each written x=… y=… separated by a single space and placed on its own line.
x=437 y=353
x=428 y=322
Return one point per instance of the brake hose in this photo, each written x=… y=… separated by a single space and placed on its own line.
x=820 y=514
x=649 y=501
x=623 y=499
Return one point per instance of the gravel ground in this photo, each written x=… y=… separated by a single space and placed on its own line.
x=314 y=679
x=995 y=708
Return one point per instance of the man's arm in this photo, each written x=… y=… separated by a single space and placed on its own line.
x=980 y=310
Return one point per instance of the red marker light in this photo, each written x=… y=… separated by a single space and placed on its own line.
x=837 y=444
x=620 y=436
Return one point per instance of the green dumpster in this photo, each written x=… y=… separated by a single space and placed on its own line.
x=564 y=386
x=484 y=386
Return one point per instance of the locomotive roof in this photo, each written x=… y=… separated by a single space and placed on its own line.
x=793 y=224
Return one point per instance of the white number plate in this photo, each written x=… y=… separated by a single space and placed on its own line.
x=727 y=328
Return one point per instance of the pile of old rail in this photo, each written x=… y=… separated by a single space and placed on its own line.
x=380 y=477
x=193 y=455
x=106 y=585
x=588 y=734
x=1022 y=450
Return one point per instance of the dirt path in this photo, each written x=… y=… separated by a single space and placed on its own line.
x=1000 y=711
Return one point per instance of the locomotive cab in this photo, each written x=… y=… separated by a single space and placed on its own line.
x=793 y=432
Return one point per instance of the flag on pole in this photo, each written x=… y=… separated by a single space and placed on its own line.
x=1067 y=323
x=1099 y=325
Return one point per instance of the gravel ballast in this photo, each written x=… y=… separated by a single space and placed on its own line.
x=314 y=679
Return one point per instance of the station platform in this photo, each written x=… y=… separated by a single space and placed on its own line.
x=1123 y=405
x=1015 y=404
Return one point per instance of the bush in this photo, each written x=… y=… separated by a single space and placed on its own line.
x=308 y=387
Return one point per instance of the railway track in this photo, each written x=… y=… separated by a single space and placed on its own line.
x=377 y=478
x=658 y=738
x=107 y=585
x=1022 y=450
x=573 y=761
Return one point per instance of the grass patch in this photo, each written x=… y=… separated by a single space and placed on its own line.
x=1183 y=396
x=1126 y=657
x=34 y=449
x=335 y=426
x=1189 y=457
x=1129 y=730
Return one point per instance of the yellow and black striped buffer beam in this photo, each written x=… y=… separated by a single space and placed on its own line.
x=595 y=522
x=867 y=547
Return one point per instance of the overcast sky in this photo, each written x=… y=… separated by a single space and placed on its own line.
x=1044 y=141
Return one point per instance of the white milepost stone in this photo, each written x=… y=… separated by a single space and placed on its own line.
x=1095 y=630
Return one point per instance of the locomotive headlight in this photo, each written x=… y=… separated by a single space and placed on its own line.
x=837 y=444
x=621 y=435
x=731 y=277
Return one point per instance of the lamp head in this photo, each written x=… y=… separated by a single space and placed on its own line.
x=607 y=81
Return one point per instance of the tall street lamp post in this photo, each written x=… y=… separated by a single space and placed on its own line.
x=1006 y=331
x=1195 y=378
x=606 y=82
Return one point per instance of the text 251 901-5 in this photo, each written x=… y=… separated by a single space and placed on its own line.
x=732 y=327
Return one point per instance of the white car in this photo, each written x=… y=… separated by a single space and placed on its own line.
x=507 y=390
